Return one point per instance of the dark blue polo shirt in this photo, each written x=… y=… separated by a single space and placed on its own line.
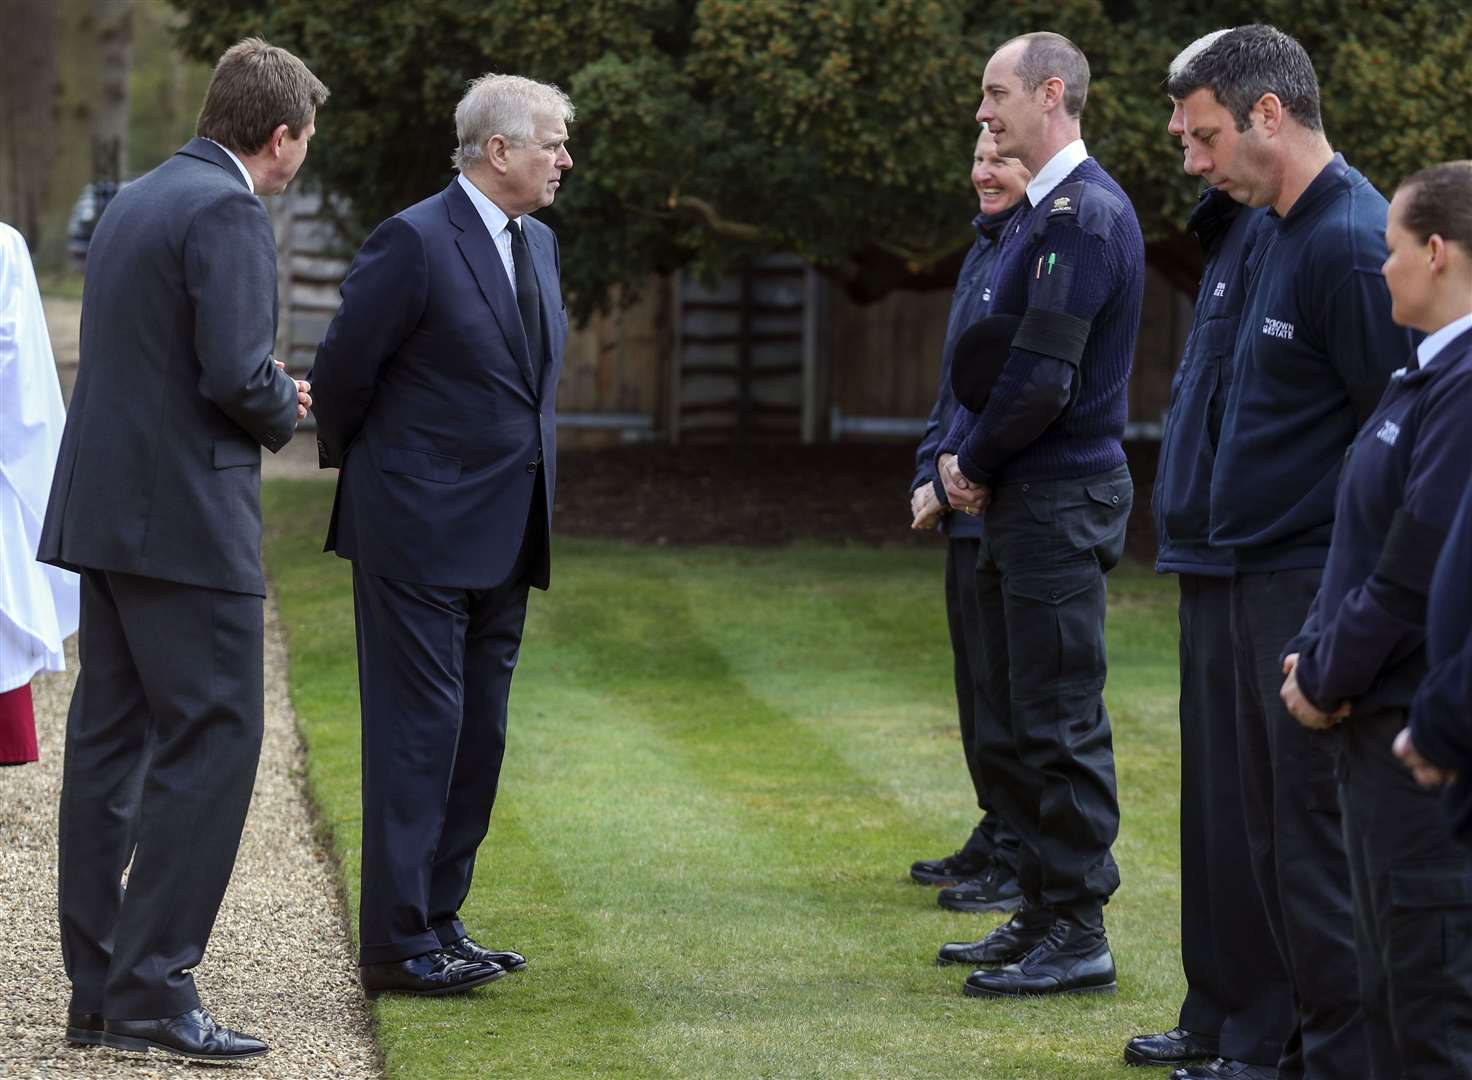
x=1313 y=354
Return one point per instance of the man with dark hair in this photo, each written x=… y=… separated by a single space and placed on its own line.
x=982 y=875
x=1313 y=355
x=156 y=502
x=1238 y=1002
x=1044 y=461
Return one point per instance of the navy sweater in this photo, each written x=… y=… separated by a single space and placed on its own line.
x=1181 y=499
x=1313 y=354
x=1078 y=254
x=972 y=297
x=1364 y=638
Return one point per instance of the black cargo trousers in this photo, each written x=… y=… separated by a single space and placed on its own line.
x=1046 y=750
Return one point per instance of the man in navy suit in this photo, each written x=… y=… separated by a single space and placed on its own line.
x=156 y=503
x=435 y=390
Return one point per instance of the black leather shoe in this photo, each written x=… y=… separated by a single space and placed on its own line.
x=466 y=949
x=1225 y=1069
x=995 y=889
x=84 y=1029
x=1071 y=959
x=952 y=870
x=1006 y=943
x=192 y=1035
x=1174 y=1047
x=430 y=974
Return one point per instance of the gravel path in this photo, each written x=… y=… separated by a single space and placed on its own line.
x=279 y=964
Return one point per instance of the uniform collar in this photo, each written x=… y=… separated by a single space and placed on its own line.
x=238 y=164
x=1055 y=171
x=1435 y=345
x=989 y=226
x=1332 y=178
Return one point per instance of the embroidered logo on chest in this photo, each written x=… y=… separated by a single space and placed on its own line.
x=1221 y=289
x=986 y=294
x=1388 y=433
x=1277 y=328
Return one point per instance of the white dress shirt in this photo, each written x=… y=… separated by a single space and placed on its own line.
x=1434 y=344
x=1051 y=175
x=239 y=165
x=496 y=224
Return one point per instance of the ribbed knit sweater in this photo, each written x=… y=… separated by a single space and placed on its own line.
x=1078 y=253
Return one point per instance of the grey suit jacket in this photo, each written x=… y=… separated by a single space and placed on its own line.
x=159 y=472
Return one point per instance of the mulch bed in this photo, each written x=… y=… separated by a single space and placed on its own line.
x=762 y=494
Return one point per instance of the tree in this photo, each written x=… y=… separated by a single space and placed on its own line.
x=711 y=131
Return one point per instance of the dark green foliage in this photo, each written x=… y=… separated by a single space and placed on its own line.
x=841 y=130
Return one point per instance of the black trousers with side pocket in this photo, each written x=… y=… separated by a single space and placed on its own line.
x=1045 y=749
x=1412 y=885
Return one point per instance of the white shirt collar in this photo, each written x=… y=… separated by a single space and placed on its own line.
x=1051 y=175
x=1432 y=346
x=239 y=165
x=494 y=217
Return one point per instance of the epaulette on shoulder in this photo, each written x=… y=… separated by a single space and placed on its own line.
x=1082 y=205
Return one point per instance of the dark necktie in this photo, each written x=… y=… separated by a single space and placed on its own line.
x=528 y=297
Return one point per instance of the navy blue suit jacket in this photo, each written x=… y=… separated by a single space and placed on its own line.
x=425 y=398
x=159 y=472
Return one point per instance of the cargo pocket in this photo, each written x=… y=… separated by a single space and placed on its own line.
x=1053 y=634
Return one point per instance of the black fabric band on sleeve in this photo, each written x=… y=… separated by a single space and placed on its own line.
x=1410 y=553
x=1052 y=333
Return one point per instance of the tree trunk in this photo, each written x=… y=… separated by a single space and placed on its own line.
x=27 y=112
x=113 y=26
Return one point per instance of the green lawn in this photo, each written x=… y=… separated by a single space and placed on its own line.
x=721 y=763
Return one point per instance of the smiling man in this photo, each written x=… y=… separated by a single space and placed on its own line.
x=1044 y=462
x=1314 y=351
x=436 y=393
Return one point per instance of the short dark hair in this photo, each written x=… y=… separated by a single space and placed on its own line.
x=1244 y=64
x=257 y=87
x=1052 y=56
x=1439 y=200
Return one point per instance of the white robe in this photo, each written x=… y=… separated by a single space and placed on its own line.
x=38 y=603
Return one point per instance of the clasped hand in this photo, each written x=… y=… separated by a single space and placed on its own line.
x=962 y=493
x=1303 y=710
x=303 y=394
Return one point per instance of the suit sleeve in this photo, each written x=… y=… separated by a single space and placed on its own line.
x=1068 y=283
x=1384 y=619
x=383 y=298
x=230 y=276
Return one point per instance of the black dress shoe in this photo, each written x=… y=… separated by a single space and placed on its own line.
x=466 y=949
x=192 y=1035
x=1225 y=1069
x=431 y=974
x=953 y=869
x=1071 y=959
x=1006 y=943
x=995 y=889
x=1174 y=1047
x=84 y=1029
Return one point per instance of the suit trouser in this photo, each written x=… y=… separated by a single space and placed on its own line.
x=162 y=742
x=434 y=676
x=1046 y=754
x=1295 y=831
x=991 y=838
x=1412 y=885
x=1236 y=987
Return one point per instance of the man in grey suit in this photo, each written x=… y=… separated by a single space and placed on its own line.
x=156 y=503
x=436 y=391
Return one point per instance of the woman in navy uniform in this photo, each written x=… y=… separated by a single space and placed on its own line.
x=1361 y=655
